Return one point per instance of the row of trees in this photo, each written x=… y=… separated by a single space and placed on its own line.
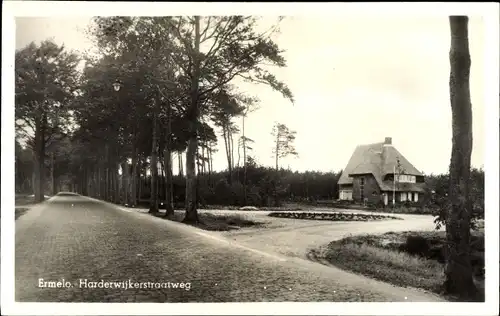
x=155 y=86
x=253 y=185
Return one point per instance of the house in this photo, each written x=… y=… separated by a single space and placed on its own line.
x=380 y=173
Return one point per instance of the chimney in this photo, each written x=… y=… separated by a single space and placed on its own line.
x=388 y=141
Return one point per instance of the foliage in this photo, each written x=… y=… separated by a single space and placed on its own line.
x=283 y=142
x=46 y=82
x=436 y=196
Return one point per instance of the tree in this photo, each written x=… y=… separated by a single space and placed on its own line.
x=23 y=168
x=225 y=109
x=251 y=106
x=458 y=269
x=283 y=142
x=45 y=81
x=142 y=47
x=214 y=51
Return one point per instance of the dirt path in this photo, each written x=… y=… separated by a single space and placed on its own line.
x=294 y=237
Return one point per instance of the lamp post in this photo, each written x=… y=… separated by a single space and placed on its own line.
x=394 y=189
x=116 y=86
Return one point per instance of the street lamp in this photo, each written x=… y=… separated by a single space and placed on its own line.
x=117 y=85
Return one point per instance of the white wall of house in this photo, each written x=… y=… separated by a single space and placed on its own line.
x=345 y=195
x=408 y=196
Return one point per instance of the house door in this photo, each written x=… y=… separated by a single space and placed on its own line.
x=386 y=199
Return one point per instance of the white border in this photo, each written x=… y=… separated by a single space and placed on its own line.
x=52 y=8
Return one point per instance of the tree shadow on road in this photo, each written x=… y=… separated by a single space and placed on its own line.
x=212 y=222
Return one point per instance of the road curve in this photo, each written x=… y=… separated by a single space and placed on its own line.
x=77 y=240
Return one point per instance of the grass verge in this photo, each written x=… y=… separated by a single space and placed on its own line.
x=396 y=258
x=21 y=200
x=20 y=211
x=397 y=268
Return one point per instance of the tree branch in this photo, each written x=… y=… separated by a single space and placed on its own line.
x=218 y=41
x=204 y=32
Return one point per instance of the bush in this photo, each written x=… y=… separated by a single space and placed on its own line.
x=253 y=196
x=222 y=193
x=416 y=245
x=330 y=216
x=439 y=199
x=237 y=194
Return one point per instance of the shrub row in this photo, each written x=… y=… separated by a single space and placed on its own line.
x=331 y=216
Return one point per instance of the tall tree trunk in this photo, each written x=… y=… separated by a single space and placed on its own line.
x=198 y=164
x=161 y=184
x=277 y=150
x=139 y=180
x=110 y=184
x=167 y=157
x=226 y=146
x=52 y=179
x=232 y=152
x=203 y=160
x=116 y=186
x=33 y=175
x=181 y=164
x=89 y=181
x=133 y=189
x=191 y=183
x=169 y=207
x=125 y=181
x=232 y=149
x=458 y=269
x=244 y=161
x=106 y=183
x=227 y=143
x=211 y=162
x=99 y=180
x=153 y=207
x=39 y=160
x=239 y=153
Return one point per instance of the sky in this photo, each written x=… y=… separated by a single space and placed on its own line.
x=356 y=80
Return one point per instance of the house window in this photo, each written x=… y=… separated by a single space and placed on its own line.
x=415 y=197
x=403 y=196
x=362 y=188
x=410 y=197
x=404 y=178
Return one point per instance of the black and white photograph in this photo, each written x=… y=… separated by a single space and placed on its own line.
x=264 y=158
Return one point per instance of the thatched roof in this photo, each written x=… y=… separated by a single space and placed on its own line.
x=380 y=159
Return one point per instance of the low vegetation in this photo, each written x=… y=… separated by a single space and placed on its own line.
x=216 y=222
x=331 y=216
x=20 y=211
x=24 y=199
x=409 y=259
